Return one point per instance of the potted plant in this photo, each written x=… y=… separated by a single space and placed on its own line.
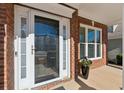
x=85 y=65
x=119 y=59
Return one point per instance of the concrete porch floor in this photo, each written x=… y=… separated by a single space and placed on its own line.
x=102 y=78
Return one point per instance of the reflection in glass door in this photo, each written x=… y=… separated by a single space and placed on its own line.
x=46 y=49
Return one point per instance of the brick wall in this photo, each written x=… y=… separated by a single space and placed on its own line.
x=74 y=41
x=6 y=46
x=2 y=42
x=103 y=61
x=2 y=34
x=10 y=47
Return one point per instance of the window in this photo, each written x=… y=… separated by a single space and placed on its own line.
x=91 y=50
x=90 y=42
x=82 y=41
x=23 y=46
x=64 y=46
x=91 y=36
x=82 y=34
x=47 y=50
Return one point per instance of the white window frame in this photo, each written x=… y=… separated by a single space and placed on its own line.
x=95 y=44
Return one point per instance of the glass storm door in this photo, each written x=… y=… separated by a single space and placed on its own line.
x=46 y=49
x=49 y=48
x=42 y=52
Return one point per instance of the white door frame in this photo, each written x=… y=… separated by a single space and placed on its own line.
x=30 y=40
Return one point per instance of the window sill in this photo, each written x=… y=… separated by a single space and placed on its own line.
x=95 y=58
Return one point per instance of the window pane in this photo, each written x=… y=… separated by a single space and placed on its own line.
x=91 y=36
x=98 y=50
x=23 y=72
x=91 y=51
x=82 y=34
x=23 y=27
x=82 y=51
x=47 y=49
x=64 y=46
x=23 y=60
x=98 y=36
x=23 y=46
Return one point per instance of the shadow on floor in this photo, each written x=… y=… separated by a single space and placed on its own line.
x=60 y=88
x=83 y=85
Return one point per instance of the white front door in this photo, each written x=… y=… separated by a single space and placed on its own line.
x=22 y=50
x=41 y=48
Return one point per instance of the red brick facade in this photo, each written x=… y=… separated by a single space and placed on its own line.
x=7 y=47
x=100 y=62
x=2 y=34
x=74 y=40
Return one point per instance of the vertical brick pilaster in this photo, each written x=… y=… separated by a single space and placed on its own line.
x=10 y=47
x=2 y=42
x=6 y=46
x=2 y=34
x=74 y=39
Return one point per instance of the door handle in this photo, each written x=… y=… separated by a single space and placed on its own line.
x=32 y=49
x=16 y=53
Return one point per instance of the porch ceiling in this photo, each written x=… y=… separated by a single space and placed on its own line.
x=104 y=13
x=53 y=8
